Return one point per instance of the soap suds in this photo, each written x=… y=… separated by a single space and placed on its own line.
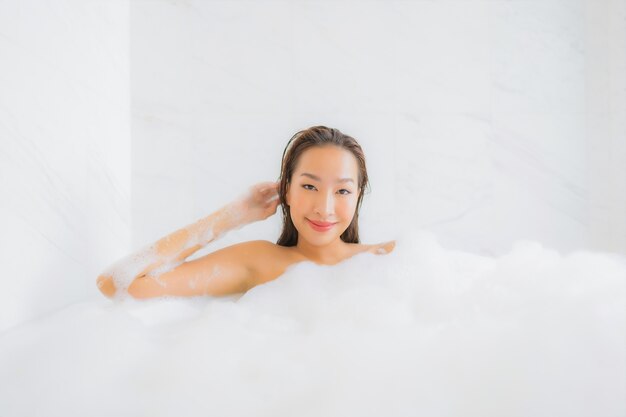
x=419 y=331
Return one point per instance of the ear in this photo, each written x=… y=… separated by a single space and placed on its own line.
x=287 y=195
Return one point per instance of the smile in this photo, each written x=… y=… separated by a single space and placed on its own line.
x=320 y=227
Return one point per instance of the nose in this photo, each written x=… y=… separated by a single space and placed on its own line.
x=325 y=204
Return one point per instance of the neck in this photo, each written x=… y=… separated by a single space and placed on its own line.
x=329 y=254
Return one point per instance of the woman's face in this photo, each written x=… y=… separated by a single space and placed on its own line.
x=323 y=188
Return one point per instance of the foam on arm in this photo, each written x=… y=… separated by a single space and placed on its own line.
x=171 y=250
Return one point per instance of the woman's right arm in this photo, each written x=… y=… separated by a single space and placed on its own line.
x=169 y=252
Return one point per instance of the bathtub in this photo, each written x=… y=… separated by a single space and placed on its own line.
x=423 y=331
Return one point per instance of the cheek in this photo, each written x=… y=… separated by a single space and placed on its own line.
x=346 y=208
x=302 y=205
x=294 y=199
x=297 y=205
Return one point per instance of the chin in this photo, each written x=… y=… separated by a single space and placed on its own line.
x=318 y=239
x=322 y=241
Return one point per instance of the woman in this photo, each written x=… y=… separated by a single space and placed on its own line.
x=320 y=189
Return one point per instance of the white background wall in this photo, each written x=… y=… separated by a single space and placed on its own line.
x=64 y=150
x=484 y=121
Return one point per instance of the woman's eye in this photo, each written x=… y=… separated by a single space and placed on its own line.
x=340 y=191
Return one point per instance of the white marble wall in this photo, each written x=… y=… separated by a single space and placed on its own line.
x=64 y=151
x=606 y=122
x=484 y=121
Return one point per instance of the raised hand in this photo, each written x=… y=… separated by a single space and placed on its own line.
x=260 y=201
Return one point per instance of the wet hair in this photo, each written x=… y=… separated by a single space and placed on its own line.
x=305 y=139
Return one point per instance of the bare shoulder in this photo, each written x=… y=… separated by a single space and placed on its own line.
x=381 y=248
x=250 y=245
x=264 y=250
x=254 y=251
x=260 y=247
x=245 y=252
x=267 y=260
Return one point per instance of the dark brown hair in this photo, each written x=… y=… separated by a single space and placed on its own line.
x=300 y=142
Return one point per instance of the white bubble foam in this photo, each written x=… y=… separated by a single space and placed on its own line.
x=420 y=331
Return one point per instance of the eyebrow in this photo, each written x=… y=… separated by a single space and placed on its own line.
x=316 y=178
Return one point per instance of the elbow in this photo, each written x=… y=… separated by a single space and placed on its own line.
x=106 y=285
x=144 y=287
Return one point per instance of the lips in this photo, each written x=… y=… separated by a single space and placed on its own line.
x=321 y=226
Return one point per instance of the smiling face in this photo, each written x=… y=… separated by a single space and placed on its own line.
x=323 y=189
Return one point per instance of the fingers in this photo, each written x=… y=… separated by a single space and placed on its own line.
x=273 y=205
x=265 y=184
x=265 y=193
x=273 y=198
x=266 y=187
x=271 y=202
